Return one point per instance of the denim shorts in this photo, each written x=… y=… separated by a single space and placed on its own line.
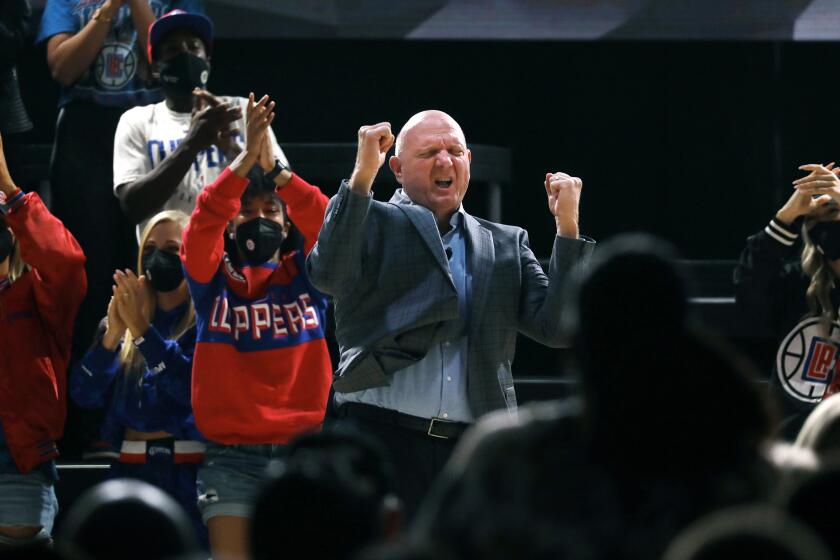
x=232 y=476
x=27 y=499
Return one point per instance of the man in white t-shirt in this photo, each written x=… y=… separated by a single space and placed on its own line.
x=164 y=154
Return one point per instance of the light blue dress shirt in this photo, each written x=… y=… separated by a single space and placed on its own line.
x=436 y=386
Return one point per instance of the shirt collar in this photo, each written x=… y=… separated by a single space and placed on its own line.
x=457 y=219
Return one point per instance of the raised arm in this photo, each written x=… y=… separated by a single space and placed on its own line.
x=541 y=297
x=69 y=55
x=767 y=287
x=306 y=203
x=335 y=262
x=48 y=248
x=203 y=244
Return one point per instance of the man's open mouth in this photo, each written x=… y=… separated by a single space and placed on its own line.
x=443 y=183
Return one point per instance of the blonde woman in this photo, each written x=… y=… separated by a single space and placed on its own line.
x=786 y=282
x=42 y=284
x=139 y=369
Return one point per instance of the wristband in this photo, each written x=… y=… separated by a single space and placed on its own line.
x=278 y=169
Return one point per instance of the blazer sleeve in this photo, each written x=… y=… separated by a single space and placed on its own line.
x=541 y=298
x=335 y=262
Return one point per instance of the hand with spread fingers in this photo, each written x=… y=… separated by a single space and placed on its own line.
x=134 y=301
x=374 y=143
x=563 y=192
x=822 y=179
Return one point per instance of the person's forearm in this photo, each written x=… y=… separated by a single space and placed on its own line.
x=143 y=17
x=69 y=56
x=147 y=195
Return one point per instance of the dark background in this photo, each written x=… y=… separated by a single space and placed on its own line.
x=694 y=141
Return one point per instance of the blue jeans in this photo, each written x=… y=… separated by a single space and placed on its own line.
x=27 y=499
x=232 y=476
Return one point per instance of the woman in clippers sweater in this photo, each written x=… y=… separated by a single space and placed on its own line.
x=261 y=370
x=42 y=283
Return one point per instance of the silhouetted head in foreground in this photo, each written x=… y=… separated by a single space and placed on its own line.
x=128 y=519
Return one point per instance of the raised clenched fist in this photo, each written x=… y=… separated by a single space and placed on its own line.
x=374 y=142
x=563 y=192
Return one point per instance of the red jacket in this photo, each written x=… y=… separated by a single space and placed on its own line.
x=36 y=326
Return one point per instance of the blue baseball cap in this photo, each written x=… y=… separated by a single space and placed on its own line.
x=179 y=19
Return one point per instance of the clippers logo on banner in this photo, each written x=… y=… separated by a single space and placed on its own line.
x=807 y=360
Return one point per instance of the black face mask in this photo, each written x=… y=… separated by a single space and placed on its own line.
x=163 y=270
x=826 y=235
x=182 y=73
x=6 y=243
x=259 y=239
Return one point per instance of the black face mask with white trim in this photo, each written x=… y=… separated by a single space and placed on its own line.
x=259 y=239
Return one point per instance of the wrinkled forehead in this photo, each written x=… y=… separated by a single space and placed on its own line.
x=430 y=127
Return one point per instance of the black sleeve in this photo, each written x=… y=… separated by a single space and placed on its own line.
x=769 y=284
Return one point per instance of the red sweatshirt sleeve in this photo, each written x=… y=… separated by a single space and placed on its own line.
x=203 y=244
x=307 y=206
x=56 y=259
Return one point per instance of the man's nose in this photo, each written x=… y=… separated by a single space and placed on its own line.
x=443 y=159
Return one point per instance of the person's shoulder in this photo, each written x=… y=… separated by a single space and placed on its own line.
x=140 y=114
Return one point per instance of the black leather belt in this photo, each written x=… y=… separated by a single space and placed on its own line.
x=432 y=427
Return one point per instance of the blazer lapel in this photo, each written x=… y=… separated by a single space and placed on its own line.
x=424 y=222
x=482 y=257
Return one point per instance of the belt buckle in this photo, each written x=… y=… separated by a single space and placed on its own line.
x=432 y=425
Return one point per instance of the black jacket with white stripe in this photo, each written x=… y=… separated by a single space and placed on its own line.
x=770 y=291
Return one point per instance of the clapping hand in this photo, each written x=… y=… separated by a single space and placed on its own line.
x=822 y=180
x=563 y=192
x=211 y=122
x=134 y=299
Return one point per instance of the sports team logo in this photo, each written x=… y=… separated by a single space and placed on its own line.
x=807 y=359
x=115 y=66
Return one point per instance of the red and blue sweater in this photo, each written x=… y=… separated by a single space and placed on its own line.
x=261 y=368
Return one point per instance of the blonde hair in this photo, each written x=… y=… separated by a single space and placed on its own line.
x=130 y=357
x=818 y=269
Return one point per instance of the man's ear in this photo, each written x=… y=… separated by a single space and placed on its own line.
x=396 y=167
x=469 y=155
x=154 y=68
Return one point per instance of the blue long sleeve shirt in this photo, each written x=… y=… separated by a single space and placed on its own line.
x=156 y=399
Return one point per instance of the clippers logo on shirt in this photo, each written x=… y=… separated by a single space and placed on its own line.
x=807 y=360
x=115 y=66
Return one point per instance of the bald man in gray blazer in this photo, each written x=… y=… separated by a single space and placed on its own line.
x=428 y=298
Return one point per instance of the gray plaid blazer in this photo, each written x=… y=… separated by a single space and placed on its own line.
x=385 y=266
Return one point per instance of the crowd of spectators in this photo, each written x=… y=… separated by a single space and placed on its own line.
x=212 y=368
